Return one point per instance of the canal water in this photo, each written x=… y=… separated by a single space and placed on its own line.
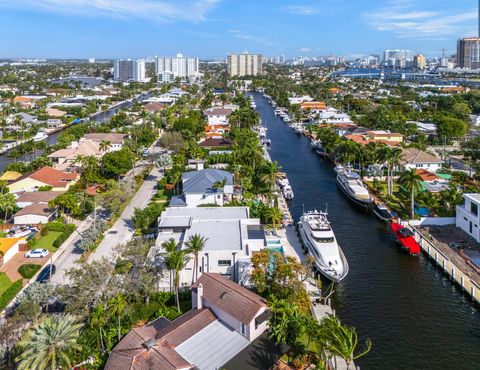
x=100 y=117
x=414 y=316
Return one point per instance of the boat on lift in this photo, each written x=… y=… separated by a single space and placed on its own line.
x=406 y=239
x=288 y=192
x=382 y=212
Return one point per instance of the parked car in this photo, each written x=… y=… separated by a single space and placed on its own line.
x=44 y=275
x=37 y=253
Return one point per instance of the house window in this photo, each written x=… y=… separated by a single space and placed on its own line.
x=474 y=208
x=243 y=329
x=224 y=263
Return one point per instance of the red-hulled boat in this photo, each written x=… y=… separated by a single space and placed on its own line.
x=406 y=239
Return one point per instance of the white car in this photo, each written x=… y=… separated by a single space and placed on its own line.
x=37 y=253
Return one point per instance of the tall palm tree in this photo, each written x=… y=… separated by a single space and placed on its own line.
x=104 y=145
x=275 y=215
x=49 y=343
x=343 y=340
x=410 y=180
x=195 y=245
x=118 y=306
x=170 y=246
x=8 y=204
x=392 y=157
x=177 y=262
x=268 y=173
x=220 y=184
x=98 y=319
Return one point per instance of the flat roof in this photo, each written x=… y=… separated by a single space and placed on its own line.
x=212 y=347
x=208 y=213
x=175 y=221
x=220 y=234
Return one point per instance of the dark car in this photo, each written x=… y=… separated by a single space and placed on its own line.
x=44 y=275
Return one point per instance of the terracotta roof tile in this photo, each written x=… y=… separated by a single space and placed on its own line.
x=51 y=176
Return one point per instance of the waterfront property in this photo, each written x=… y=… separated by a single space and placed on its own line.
x=414 y=158
x=208 y=186
x=468 y=216
x=225 y=318
x=231 y=238
x=44 y=177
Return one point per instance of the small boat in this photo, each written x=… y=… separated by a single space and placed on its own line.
x=382 y=213
x=40 y=136
x=288 y=192
x=406 y=239
x=318 y=238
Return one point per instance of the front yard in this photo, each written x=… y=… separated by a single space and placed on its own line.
x=46 y=241
x=5 y=282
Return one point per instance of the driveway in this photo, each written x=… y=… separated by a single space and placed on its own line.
x=11 y=267
x=122 y=230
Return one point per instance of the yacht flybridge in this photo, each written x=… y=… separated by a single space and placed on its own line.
x=352 y=186
x=318 y=238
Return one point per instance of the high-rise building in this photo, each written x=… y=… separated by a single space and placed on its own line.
x=398 y=54
x=468 y=53
x=129 y=70
x=245 y=64
x=419 y=61
x=180 y=66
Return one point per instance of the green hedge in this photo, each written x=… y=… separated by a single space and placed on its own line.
x=28 y=270
x=69 y=229
x=10 y=293
x=53 y=226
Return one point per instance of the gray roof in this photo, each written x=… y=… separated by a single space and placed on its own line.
x=26 y=117
x=202 y=181
x=212 y=346
x=220 y=234
x=177 y=201
x=207 y=213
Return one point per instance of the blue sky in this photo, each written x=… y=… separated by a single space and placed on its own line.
x=211 y=28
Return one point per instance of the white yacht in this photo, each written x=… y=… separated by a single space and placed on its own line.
x=352 y=186
x=318 y=238
x=288 y=192
x=40 y=136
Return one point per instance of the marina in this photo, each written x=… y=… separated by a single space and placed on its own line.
x=388 y=295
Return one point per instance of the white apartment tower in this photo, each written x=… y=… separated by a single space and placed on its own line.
x=180 y=66
x=129 y=70
x=245 y=64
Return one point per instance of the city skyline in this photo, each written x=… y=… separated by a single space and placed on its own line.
x=212 y=28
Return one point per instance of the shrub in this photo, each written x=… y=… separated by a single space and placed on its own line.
x=10 y=293
x=28 y=270
x=64 y=235
x=53 y=226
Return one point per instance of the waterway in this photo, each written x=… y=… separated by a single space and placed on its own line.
x=414 y=316
x=100 y=117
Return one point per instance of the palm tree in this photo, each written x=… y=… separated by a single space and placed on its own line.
x=275 y=215
x=268 y=173
x=49 y=343
x=118 y=306
x=98 y=319
x=8 y=204
x=104 y=145
x=343 y=340
x=195 y=245
x=177 y=261
x=410 y=180
x=170 y=246
x=220 y=184
x=392 y=157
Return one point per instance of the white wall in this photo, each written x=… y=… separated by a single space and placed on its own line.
x=194 y=200
x=465 y=217
x=254 y=333
x=432 y=167
x=217 y=120
x=30 y=220
x=431 y=221
x=10 y=253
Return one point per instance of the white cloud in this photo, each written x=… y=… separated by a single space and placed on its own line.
x=405 y=21
x=302 y=10
x=304 y=50
x=159 y=10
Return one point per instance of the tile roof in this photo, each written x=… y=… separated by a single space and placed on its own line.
x=212 y=142
x=10 y=176
x=38 y=196
x=131 y=353
x=114 y=138
x=230 y=297
x=202 y=181
x=51 y=176
x=218 y=111
x=427 y=175
x=417 y=156
x=39 y=209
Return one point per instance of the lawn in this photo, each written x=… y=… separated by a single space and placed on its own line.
x=5 y=282
x=46 y=241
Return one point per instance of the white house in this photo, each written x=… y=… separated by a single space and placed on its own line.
x=36 y=213
x=225 y=318
x=413 y=158
x=218 y=116
x=468 y=216
x=204 y=187
x=231 y=239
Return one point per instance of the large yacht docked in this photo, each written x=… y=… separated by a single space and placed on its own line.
x=352 y=186
x=318 y=238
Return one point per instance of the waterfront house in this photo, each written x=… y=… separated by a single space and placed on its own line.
x=54 y=123
x=218 y=122
x=44 y=177
x=413 y=158
x=52 y=112
x=67 y=158
x=468 y=215
x=36 y=213
x=116 y=140
x=231 y=239
x=205 y=187
x=225 y=318
x=313 y=105
x=27 y=118
x=380 y=136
